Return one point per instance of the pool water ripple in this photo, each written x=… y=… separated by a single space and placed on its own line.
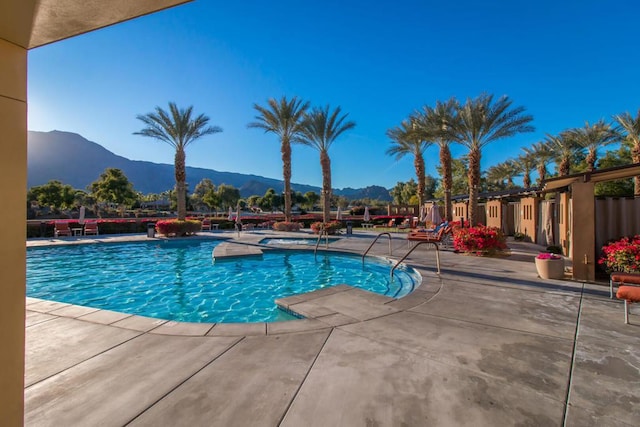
x=178 y=280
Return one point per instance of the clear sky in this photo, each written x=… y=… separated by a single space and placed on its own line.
x=565 y=61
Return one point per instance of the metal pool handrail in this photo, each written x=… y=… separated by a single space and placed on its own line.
x=413 y=248
x=322 y=232
x=374 y=241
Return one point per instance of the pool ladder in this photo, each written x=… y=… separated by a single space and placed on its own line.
x=413 y=248
x=322 y=232
x=374 y=242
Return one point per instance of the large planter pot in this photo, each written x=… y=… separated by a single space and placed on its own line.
x=550 y=268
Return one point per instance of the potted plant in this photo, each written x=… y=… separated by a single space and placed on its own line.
x=550 y=266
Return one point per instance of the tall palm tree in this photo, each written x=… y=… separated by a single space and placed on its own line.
x=436 y=123
x=591 y=137
x=563 y=149
x=480 y=122
x=407 y=139
x=177 y=128
x=629 y=128
x=283 y=118
x=525 y=164
x=541 y=152
x=498 y=174
x=320 y=128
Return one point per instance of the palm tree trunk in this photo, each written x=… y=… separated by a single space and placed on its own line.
x=565 y=165
x=447 y=179
x=286 y=175
x=418 y=163
x=526 y=180
x=635 y=157
x=181 y=177
x=591 y=160
x=474 y=184
x=542 y=173
x=325 y=163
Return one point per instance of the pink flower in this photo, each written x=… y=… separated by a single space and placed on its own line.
x=545 y=255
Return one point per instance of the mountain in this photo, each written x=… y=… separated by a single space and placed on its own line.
x=50 y=155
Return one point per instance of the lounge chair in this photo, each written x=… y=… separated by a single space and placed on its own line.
x=61 y=229
x=91 y=227
x=206 y=224
x=391 y=224
x=439 y=235
x=630 y=293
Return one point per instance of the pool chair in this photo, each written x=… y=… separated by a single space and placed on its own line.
x=391 y=224
x=206 y=224
x=61 y=229
x=91 y=227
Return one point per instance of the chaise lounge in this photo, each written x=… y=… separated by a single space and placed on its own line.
x=91 y=227
x=61 y=228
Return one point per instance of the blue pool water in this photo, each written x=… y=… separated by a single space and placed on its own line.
x=178 y=280
x=296 y=241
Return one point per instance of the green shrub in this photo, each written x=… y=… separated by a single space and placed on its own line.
x=519 y=237
x=553 y=249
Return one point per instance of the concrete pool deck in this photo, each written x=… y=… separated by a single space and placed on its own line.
x=486 y=342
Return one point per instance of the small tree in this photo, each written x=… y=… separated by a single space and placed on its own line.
x=310 y=199
x=113 y=187
x=228 y=195
x=202 y=188
x=54 y=195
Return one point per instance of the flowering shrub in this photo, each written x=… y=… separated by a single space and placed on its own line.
x=287 y=226
x=622 y=255
x=480 y=240
x=546 y=255
x=331 y=227
x=178 y=228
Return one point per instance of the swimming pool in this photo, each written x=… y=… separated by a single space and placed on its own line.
x=178 y=280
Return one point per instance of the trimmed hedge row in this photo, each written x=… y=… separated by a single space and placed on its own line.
x=178 y=228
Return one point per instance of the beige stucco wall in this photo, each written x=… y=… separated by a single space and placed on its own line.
x=563 y=223
x=460 y=210
x=529 y=216
x=583 y=231
x=494 y=210
x=13 y=188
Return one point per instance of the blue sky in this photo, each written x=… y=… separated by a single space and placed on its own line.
x=567 y=62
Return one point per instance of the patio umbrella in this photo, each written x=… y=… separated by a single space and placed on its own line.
x=434 y=215
x=238 y=220
x=230 y=217
x=367 y=217
x=82 y=214
x=338 y=214
x=423 y=214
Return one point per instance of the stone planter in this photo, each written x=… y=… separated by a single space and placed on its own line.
x=550 y=268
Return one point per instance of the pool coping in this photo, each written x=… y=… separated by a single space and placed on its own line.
x=320 y=308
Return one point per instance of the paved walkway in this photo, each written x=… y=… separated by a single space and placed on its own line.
x=485 y=343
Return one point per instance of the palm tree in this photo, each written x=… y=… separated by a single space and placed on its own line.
x=592 y=137
x=563 y=149
x=629 y=128
x=320 y=128
x=525 y=163
x=541 y=152
x=177 y=128
x=504 y=171
x=437 y=123
x=480 y=122
x=407 y=139
x=284 y=118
